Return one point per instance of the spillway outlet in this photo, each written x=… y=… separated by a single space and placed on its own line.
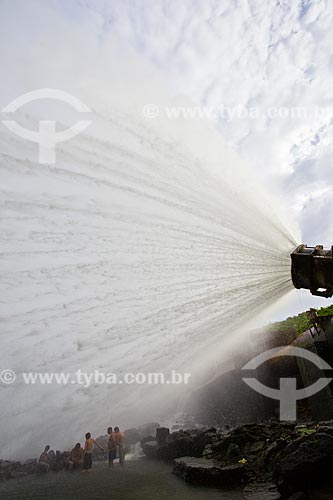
x=312 y=268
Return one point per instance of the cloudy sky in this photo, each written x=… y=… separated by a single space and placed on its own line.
x=262 y=68
x=269 y=62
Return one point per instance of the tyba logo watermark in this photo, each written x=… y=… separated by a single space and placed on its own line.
x=46 y=136
x=288 y=393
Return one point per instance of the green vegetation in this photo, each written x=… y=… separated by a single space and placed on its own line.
x=325 y=311
x=294 y=326
x=304 y=431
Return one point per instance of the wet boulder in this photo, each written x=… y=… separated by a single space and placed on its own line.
x=15 y=474
x=162 y=433
x=208 y=472
x=304 y=463
x=42 y=467
x=150 y=448
x=29 y=466
x=298 y=496
x=179 y=444
x=7 y=467
x=262 y=491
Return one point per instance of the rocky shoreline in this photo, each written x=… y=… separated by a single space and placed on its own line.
x=269 y=461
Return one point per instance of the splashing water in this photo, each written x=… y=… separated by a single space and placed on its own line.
x=131 y=253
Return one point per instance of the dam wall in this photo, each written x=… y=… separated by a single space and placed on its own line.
x=228 y=400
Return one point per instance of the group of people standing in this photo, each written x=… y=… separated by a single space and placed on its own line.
x=116 y=445
x=81 y=458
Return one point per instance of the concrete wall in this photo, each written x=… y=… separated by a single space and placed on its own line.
x=228 y=400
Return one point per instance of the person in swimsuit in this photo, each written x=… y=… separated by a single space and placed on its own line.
x=112 y=447
x=76 y=457
x=118 y=439
x=88 y=449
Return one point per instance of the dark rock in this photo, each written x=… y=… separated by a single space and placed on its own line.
x=146 y=439
x=16 y=474
x=264 y=463
x=5 y=465
x=253 y=438
x=60 y=461
x=208 y=450
x=233 y=452
x=161 y=434
x=261 y=491
x=327 y=429
x=42 y=467
x=306 y=465
x=51 y=457
x=150 y=448
x=29 y=465
x=255 y=447
x=180 y=444
x=292 y=457
x=208 y=472
x=298 y=496
x=30 y=461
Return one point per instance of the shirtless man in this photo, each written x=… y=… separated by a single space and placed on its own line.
x=76 y=457
x=119 y=444
x=111 y=447
x=88 y=449
x=44 y=455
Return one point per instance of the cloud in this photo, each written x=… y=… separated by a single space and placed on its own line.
x=250 y=54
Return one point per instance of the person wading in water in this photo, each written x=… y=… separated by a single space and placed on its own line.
x=88 y=449
x=119 y=444
x=112 y=447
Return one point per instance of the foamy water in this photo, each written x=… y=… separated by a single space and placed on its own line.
x=131 y=253
x=143 y=248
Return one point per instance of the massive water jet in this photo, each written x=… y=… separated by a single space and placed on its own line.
x=126 y=255
x=142 y=249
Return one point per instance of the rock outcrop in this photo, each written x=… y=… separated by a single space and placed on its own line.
x=208 y=472
x=179 y=444
x=304 y=462
x=276 y=459
x=261 y=491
